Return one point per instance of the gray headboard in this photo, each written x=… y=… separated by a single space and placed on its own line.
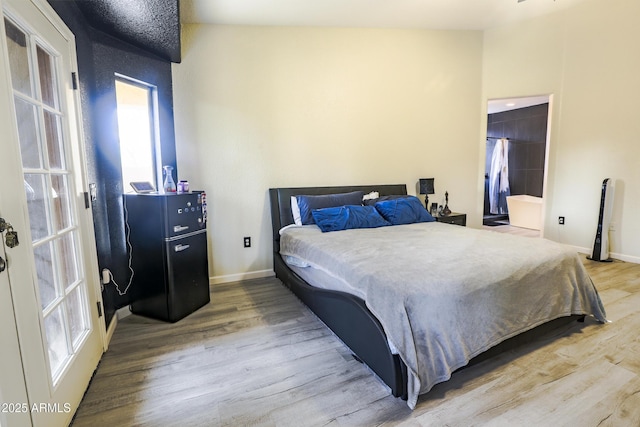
x=281 y=201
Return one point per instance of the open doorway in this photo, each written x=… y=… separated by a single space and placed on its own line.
x=516 y=164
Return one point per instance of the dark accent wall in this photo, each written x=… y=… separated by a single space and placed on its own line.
x=100 y=56
x=526 y=129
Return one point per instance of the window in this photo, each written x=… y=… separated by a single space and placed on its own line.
x=136 y=127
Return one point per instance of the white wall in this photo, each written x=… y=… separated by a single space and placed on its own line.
x=261 y=107
x=587 y=57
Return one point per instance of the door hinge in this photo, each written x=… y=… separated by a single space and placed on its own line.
x=74 y=80
x=99 y=308
x=87 y=200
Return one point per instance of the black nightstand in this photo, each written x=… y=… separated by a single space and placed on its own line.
x=453 y=218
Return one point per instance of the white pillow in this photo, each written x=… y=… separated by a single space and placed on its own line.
x=295 y=210
x=370 y=196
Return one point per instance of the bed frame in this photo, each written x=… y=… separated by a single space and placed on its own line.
x=345 y=314
x=348 y=316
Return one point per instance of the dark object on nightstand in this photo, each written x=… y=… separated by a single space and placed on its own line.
x=426 y=188
x=446 y=210
x=453 y=218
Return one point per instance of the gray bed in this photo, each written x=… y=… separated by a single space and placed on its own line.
x=443 y=294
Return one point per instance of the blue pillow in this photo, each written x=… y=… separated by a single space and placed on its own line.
x=406 y=210
x=348 y=217
x=309 y=203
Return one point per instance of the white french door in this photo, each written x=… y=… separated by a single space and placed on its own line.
x=49 y=287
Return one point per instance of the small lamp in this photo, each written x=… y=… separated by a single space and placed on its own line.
x=426 y=188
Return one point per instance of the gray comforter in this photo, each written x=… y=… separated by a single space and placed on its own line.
x=445 y=293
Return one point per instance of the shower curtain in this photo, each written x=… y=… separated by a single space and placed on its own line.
x=499 y=178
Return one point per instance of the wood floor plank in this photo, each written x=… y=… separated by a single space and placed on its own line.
x=256 y=356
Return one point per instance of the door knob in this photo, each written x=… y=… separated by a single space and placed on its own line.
x=12 y=235
x=3 y=265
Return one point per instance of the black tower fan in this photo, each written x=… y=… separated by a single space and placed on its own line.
x=601 y=243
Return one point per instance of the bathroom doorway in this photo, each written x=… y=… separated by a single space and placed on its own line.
x=516 y=161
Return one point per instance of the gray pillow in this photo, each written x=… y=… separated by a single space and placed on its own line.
x=307 y=203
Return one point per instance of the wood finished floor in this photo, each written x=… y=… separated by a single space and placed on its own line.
x=255 y=356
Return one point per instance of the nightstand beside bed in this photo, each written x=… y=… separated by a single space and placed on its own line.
x=453 y=218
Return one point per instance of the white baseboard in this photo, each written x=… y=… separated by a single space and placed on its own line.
x=626 y=258
x=110 y=330
x=214 y=280
x=123 y=312
x=621 y=257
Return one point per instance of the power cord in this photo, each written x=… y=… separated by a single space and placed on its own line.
x=128 y=240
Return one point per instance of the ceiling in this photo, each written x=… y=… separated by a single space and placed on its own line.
x=154 y=25
x=429 y=14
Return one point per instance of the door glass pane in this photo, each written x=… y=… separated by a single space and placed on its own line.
x=28 y=134
x=46 y=278
x=35 y=188
x=18 y=58
x=56 y=339
x=47 y=81
x=61 y=208
x=75 y=312
x=54 y=140
x=65 y=248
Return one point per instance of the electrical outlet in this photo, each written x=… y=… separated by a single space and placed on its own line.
x=561 y=220
x=247 y=242
x=106 y=276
